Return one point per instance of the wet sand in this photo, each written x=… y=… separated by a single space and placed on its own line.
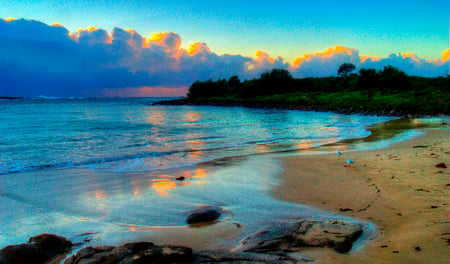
x=399 y=189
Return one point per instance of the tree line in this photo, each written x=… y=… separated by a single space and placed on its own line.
x=389 y=80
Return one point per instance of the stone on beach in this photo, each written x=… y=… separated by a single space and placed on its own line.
x=441 y=165
x=39 y=249
x=204 y=214
x=305 y=233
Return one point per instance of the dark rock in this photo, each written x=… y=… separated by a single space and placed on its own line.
x=86 y=252
x=418 y=248
x=21 y=253
x=441 y=165
x=39 y=249
x=139 y=246
x=306 y=233
x=51 y=245
x=204 y=214
x=103 y=248
x=132 y=253
x=181 y=178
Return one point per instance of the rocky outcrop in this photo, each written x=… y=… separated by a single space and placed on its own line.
x=132 y=253
x=338 y=235
x=39 y=249
x=277 y=243
x=135 y=253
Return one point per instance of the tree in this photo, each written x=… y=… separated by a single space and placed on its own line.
x=392 y=79
x=234 y=84
x=275 y=81
x=345 y=69
x=368 y=81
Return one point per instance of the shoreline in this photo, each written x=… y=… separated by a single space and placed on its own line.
x=398 y=189
x=266 y=104
x=354 y=192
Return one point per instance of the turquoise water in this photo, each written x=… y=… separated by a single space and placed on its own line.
x=108 y=167
x=131 y=135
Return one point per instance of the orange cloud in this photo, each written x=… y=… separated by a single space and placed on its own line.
x=170 y=41
x=328 y=53
x=57 y=24
x=89 y=29
x=373 y=58
x=197 y=47
x=264 y=55
x=446 y=55
x=410 y=55
x=9 y=19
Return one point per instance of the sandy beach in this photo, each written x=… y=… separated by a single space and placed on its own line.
x=399 y=189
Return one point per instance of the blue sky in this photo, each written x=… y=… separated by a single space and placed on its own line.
x=200 y=40
x=282 y=28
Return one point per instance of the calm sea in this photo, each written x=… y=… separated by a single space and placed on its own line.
x=132 y=135
x=104 y=170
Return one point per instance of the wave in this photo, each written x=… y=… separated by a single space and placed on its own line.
x=97 y=161
x=207 y=154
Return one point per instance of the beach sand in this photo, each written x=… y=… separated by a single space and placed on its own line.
x=399 y=189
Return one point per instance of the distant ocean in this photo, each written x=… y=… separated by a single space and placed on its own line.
x=129 y=134
x=103 y=167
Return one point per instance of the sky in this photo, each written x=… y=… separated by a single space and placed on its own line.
x=151 y=48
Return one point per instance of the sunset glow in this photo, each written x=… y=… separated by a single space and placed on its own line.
x=129 y=55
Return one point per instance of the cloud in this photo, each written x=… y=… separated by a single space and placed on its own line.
x=326 y=63
x=40 y=59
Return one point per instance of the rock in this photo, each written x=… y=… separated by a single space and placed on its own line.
x=39 y=249
x=441 y=165
x=176 y=253
x=204 y=214
x=21 y=253
x=181 y=178
x=131 y=253
x=306 y=233
x=103 y=248
x=247 y=257
x=86 y=252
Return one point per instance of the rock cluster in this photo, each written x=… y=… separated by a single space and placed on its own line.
x=144 y=252
x=277 y=243
x=132 y=253
x=39 y=249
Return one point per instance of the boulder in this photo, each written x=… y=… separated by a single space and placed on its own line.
x=204 y=214
x=338 y=235
x=39 y=249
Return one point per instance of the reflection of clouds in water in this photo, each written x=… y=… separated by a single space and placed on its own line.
x=162 y=187
x=123 y=206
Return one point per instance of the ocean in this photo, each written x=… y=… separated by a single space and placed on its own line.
x=104 y=170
